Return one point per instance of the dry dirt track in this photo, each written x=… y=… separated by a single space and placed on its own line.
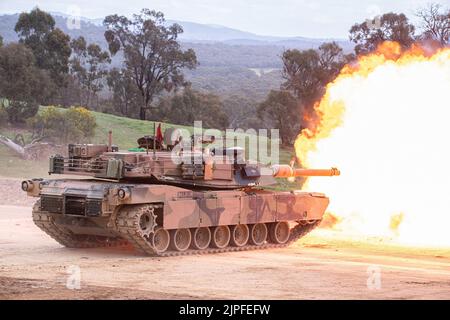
x=34 y=266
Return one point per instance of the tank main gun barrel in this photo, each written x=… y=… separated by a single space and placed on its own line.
x=285 y=171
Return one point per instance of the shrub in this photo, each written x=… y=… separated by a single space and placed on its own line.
x=3 y=112
x=76 y=124
x=19 y=111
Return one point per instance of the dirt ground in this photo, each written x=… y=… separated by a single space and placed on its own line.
x=324 y=265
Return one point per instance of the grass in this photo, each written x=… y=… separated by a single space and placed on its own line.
x=126 y=131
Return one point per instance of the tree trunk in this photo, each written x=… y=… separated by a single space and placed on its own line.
x=142 y=113
x=35 y=150
x=144 y=106
x=13 y=146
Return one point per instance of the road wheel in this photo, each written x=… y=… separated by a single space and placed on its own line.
x=220 y=237
x=239 y=235
x=146 y=220
x=180 y=239
x=258 y=234
x=279 y=232
x=201 y=238
x=161 y=240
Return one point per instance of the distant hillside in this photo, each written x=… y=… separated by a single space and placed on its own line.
x=93 y=30
x=229 y=58
x=194 y=32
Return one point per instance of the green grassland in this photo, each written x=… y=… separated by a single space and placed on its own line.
x=126 y=131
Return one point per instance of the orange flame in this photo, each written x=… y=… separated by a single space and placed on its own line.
x=381 y=121
x=329 y=220
x=396 y=220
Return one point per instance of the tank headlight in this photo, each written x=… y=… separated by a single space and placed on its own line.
x=123 y=193
x=27 y=185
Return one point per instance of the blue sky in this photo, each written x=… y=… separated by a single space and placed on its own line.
x=320 y=18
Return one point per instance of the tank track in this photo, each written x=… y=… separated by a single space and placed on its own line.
x=67 y=238
x=126 y=225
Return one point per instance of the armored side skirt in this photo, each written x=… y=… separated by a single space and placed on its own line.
x=180 y=207
x=232 y=208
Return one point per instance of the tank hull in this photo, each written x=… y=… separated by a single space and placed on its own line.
x=167 y=220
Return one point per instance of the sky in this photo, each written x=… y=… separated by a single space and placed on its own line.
x=309 y=18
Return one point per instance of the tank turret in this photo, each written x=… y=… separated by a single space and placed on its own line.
x=224 y=168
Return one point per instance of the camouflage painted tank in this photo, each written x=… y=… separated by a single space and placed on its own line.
x=166 y=202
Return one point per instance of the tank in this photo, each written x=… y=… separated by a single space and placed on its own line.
x=165 y=199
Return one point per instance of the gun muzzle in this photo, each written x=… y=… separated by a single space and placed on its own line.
x=285 y=171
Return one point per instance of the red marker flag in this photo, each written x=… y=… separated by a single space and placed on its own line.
x=159 y=136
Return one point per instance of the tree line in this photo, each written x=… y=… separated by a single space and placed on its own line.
x=47 y=67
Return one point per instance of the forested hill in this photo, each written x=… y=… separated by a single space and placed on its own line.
x=232 y=62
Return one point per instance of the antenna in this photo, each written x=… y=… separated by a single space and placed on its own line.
x=109 y=140
x=154 y=140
